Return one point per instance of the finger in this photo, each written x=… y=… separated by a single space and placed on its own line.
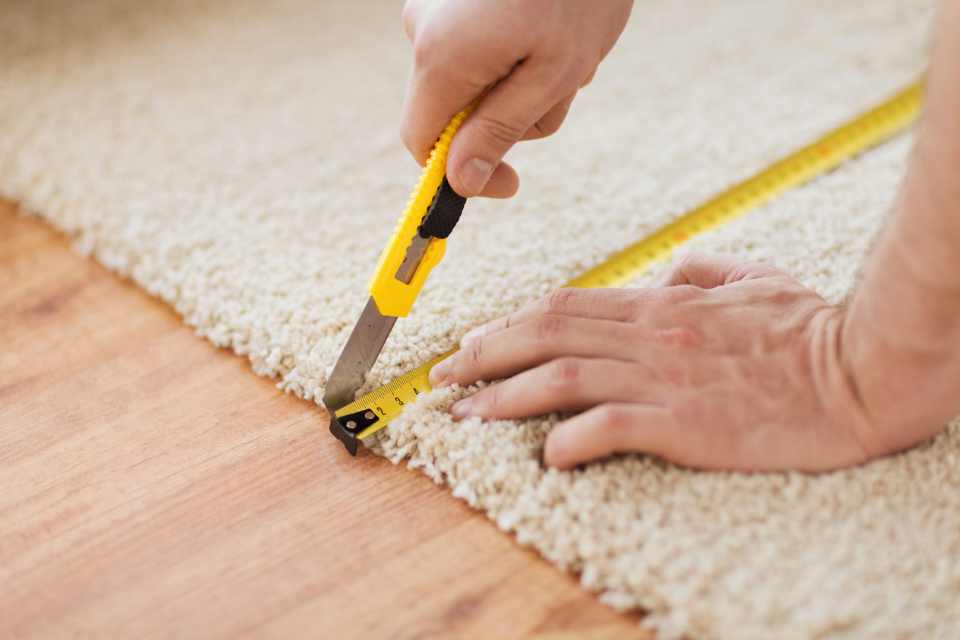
x=433 y=97
x=500 y=120
x=530 y=344
x=411 y=16
x=566 y=384
x=708 y=271
x=589 y=78
x=617 y=428
x=453 y=65
x=551 y=121
x=503 y=183
x=601 y=304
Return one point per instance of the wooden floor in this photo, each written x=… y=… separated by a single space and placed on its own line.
x=152 y=486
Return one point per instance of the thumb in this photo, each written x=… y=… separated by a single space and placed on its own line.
x=708 y=271
x=502 y=119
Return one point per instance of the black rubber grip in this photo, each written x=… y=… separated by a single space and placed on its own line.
x=443 y=214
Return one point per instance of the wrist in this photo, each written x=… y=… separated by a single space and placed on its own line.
x=901 y=342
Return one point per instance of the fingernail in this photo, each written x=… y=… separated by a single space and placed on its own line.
x=461 y=409
x=475 y=174
x=440 y=373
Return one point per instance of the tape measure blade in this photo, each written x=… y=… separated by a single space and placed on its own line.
x=389 y=400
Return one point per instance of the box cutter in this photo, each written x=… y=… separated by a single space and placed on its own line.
x=416 y=247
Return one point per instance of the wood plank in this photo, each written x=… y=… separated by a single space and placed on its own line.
x=154 y=487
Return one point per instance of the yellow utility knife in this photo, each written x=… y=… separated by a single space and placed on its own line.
x=416 y=247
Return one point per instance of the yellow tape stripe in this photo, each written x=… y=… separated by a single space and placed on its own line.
x=860 y=134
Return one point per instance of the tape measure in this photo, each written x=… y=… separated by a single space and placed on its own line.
x=375 y=410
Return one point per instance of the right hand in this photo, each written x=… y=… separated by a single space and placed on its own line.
x=529 y=57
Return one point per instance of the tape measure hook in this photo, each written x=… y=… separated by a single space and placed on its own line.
x=346 y=427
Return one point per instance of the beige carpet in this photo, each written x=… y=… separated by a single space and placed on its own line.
x=241 y=161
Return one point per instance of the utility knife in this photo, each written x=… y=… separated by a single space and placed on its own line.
x=415 y=248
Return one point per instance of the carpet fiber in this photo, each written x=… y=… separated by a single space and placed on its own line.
x=241 y=161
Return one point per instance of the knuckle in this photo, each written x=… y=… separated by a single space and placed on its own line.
x=754 y=270
x=565 y=374
x=408 y=16
x=500 y=131
x=583 y=69
x=686 y=265
x=589 y=78
x=670 y=296
x=683 y=337
x=408 y=139
x=784 y=293
x=426 y=45
x=493 y=398
x=542 y=129
x=551 y=128
x=683 y=292
x=548 y=327
x=548 y=126
x=611 y=417
x=475 y=352
x=423 y=52
x=676 y=376
x=692 y=259
x=635 y=305
x=781 y=296
x=559 y=301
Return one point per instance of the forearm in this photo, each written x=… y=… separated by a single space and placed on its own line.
x=928 y=217
x=901 y=339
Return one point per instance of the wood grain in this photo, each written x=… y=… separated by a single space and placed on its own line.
x=153 y=486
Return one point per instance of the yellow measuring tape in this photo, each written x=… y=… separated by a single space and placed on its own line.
x=863 y=132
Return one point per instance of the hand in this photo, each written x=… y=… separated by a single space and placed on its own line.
x=529 y=57
x=728 y=366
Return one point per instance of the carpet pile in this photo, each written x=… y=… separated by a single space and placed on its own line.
x=241 y=161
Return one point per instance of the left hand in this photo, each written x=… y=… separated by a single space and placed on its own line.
x=728 y=366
